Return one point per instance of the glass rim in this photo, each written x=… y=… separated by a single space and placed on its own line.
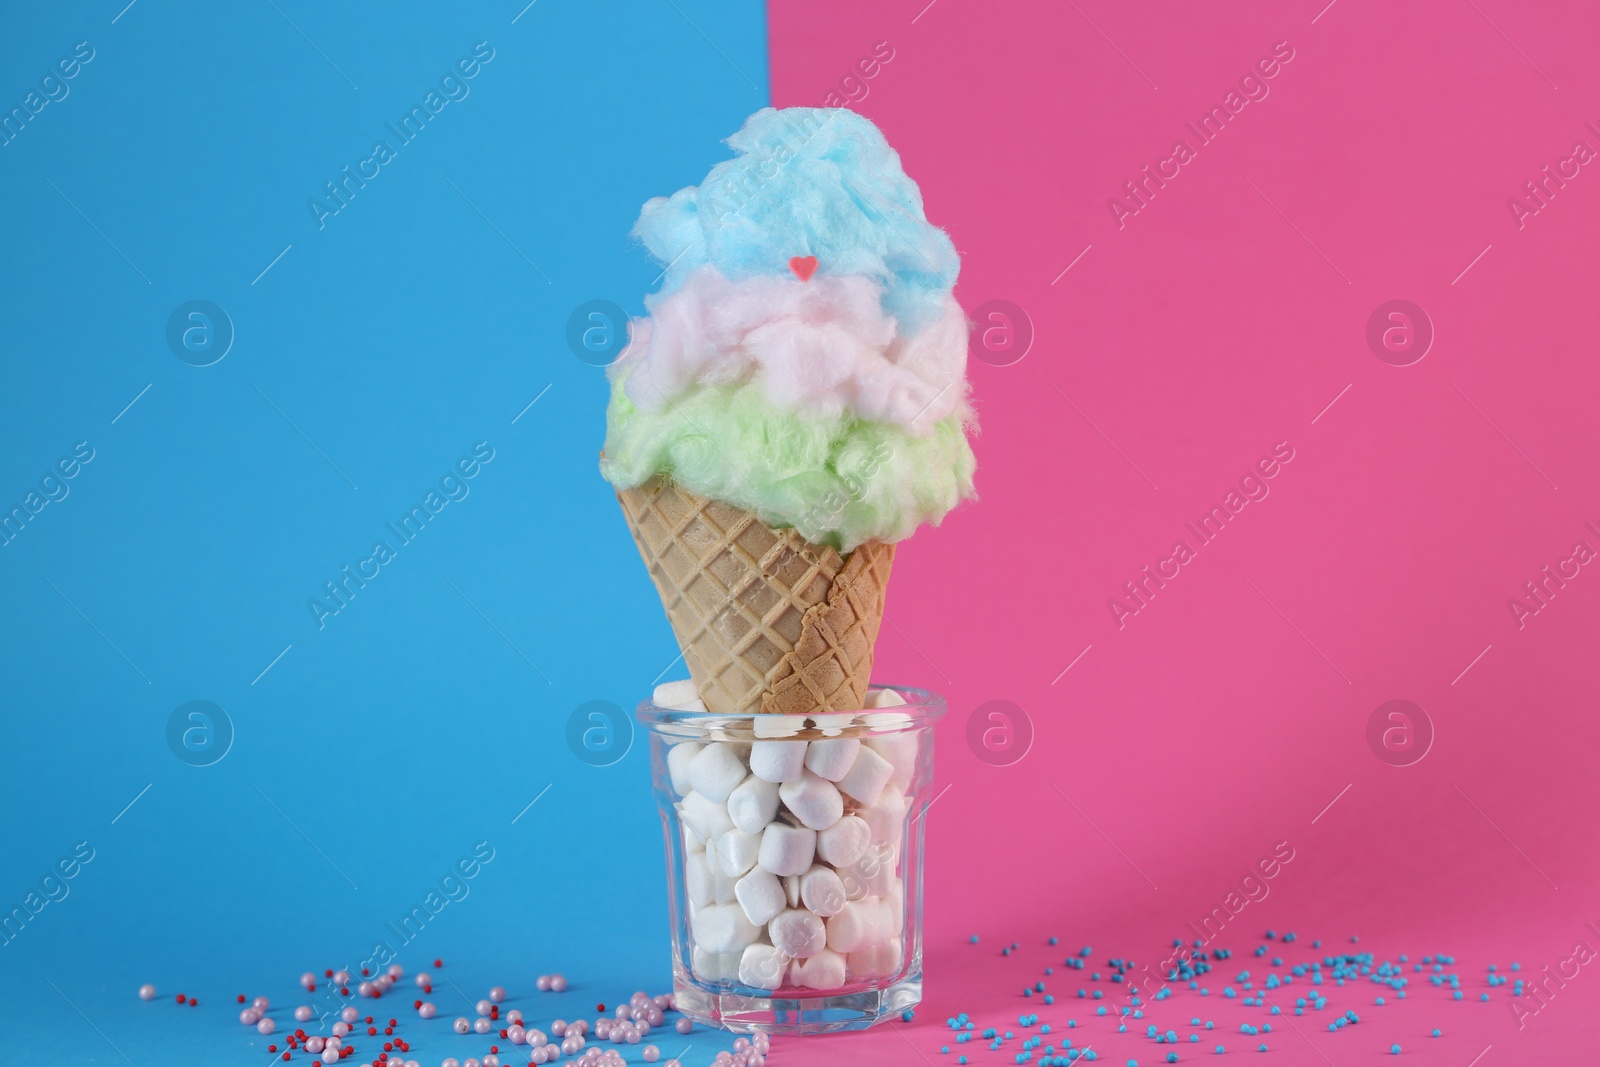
x=922 y=707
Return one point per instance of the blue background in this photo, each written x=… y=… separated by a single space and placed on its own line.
x=368 y=359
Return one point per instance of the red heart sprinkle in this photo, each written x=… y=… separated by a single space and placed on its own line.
x=804 y=267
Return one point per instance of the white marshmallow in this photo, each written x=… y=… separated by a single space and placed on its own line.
x=737 y=852
x=878 y=961
x=715 y=771
x=831 y=759
x=787 y=849
x=723 y=928
x=708 y=817
x=753 y=804
x=697 y=880
x=722 y=886
x=797 y=933
x=884 y=698
x=832 y=724
x=679 y=757
x=692 y=841
x=886 y=818
x=874 y=872
x=679 y=696
x=845 y=842
x=822 y=892
x=714 y=966
x=900 y=749
x=825 y=970
x=867 y=776
x=813 y=800
x=791 y=889
x=777 y=761
x=761 y=896
x=778 y=725
x=860 y=924
x=762 y=966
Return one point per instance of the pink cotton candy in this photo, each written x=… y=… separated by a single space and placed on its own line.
x=823 y=347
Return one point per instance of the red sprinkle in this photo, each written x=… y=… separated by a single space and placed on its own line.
x=416 y=1003
x=328 y=973
x=193 y=1002
x=438 y=963
x=272 y=1048
x=365 y=972
x=344 y=992
x=241 y=1001
x=180 y=998
x=599 y=1007
x=285 y=1055
x=371 y=1030
x=387 y=1030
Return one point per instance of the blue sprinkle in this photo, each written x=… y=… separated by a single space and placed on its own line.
x=1172 y=1057
x=1436 y=1031
x=1219 y=1050
x=1053 y=940
x=1395 y=1049
x=973 y=940
x=944 y=1049
x=1379 y=1002
x=906 y=1016
x=1483 y=997
x=1261 y=1048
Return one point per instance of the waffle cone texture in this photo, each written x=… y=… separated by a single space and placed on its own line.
x=768 y=622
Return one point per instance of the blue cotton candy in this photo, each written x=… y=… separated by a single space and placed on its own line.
x=817 y=182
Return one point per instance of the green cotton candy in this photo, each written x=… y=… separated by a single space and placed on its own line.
x=838 y=482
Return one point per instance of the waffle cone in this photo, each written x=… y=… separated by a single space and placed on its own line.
x=767 y=621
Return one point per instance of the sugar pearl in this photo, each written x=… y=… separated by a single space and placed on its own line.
x=462 y=1025
x=266 y=1025
x=558 y=984
x=482 y=1026
x=303 y=1013
x=427 y=1009
x=497 y=994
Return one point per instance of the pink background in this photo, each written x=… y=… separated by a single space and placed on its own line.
x=1222 y=318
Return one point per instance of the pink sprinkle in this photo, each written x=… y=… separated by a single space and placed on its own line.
x=349 y=1015
x=261 y=1004
x=497 y=994
x=308 y=980
x=684 y=1025
x=428 y=1010
x=249 y=1016
x=651 y=1054
x=542 y=983
x=266 y=1026
x=558 y=983
x=147 y=992
x=302 y=1013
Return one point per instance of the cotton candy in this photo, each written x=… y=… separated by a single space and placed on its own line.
x=807 y=181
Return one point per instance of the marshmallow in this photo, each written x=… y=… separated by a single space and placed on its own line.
x=833 y=724
x=678 y=696
x=845 y=842
x=761 y=896
x=737 y=852
x=791 y=889
x=778 y=725
x=723 y=928
x=877 y=961
x=813 y=800
x=704 y=814
x=787 y=849
x=886 y=818
x=883 y=698
x=867 y=776
x=714 y=966
x=679 y=757
x=873 y=875
x=797 y=933
x=825 y=970
x=777 y=761
x=697 y=880
x=753 y=804
x=722 y=886
x=715 y=771
x=822 y=891
x=860 y=924
x=831 y=758
x=692 y=841
x=900 y=749
x=762 y=966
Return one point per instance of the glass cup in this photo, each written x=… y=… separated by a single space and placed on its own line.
x=794 y=860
